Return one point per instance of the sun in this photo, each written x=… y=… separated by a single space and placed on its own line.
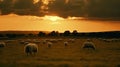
x=52 y=18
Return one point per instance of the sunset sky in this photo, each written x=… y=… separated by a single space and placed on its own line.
x=63 y=8
x=59 y=15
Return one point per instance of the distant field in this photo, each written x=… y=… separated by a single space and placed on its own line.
x=107 y=54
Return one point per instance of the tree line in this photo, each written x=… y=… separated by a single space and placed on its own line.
x=67 y=33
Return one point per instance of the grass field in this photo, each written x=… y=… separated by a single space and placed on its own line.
x=107 y=54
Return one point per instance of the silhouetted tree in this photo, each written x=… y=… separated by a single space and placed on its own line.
x=31 y=35
x=75 y=33
x=67 y=33
x=41 y=34
x=20 y=35
x=54 y=33
x=2 y=35
x=11 y=35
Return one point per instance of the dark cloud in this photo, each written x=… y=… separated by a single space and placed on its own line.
x=28 y=7
x=20 y=7
x=6 y=6
x=85 y=8
x=103 y=8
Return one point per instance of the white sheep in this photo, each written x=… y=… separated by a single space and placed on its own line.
x=111 y=40
x=44 y=41
x=31 y=49
x=59 y=39
x=24 y=42
x=2 y=44
x=53 y=40
x=36 y=41
x=49 y=44
x=71 y=40
x=66 y=43
x=89 y=44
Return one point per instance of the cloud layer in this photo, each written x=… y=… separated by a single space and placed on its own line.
x=63 y=8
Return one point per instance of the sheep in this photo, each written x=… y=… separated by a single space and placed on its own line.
x=37 y=41
x=49 y=44
x=59 y=39
x=71 y=40
x=66 y=43
x=31 y=49
x=49 y=40
x=24 y=42
x=111 y=40
x=107 y=40
x=53 y=40
x=88 y=44
x=44 y=41
x=2 y=44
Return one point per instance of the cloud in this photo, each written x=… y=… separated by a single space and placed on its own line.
x=63 y=8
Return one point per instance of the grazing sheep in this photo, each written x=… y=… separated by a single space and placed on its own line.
x=31 y=49
x=111 y=40
x=37 y=41
x=53 y=40
x=24 y=42
x=2 y=44
x=89 y=44
x=107 y=40
x=66 y=43
x=59 y=39
x=71 y=40
x=44 y=41
x=49 y=44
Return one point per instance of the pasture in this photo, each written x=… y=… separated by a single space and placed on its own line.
x=106 y=54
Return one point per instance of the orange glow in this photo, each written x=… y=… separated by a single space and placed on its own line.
x=52 y=18
x=74 y=18
x=35 y=1
x=50 y=23
x=66 y=1
x=45 y=1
